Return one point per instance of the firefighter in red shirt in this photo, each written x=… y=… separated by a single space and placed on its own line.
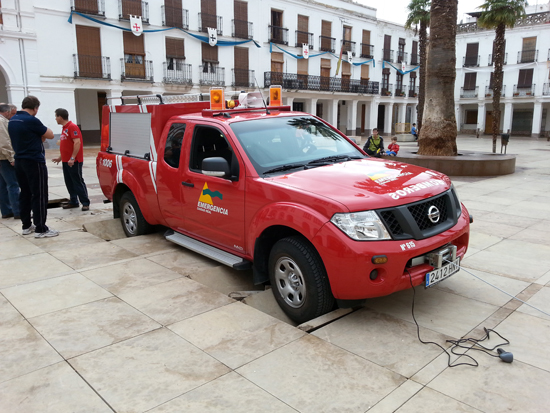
x=72 y=157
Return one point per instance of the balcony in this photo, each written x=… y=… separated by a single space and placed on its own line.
x=528 y=56
x=348 y=46
x=243 y=78
x=386 y=89
x=415 y=60
x=489 y=91
x=320 y=83
x=212 y=21
x=524 y=90
x=135 y=68
x=387 y=55
x=242 y=29
x=470 y=61
x=367 y=51
x=135 y=8
x=175 y=17
x=413 y=92
x=326 y=44
x=95 y=7
x=177 y=72
x=469 y=93
x=212 y=75
x=546 y=89
x=401 y=91
x=92 y=67
x=490 y=61
x=304 y=37
x=278 y=35
x=402 y=57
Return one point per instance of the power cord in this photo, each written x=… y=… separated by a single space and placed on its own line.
x=461 y=343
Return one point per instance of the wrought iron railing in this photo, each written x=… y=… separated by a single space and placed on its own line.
x=413 y=91
x=96 y=67
x=320 y=83
x=89 y=6
x=401 y=91
x=326 y=44
x=367 y=51
x=528 y=56
x=212 y=75
x=524 y=90
x=175 y=17
x=303 y=37
x=402 y=57
x=470 y=61
x=348 y=46
x=490 y=61
x=386 y=89
x=528 y=20
x=243 y=77
x=242 y=29
x=136 y=69
x=415 y=60
x=135 y=8
x=489 y=91
x=469 y=93
x=177 y=72
x=212 y=21
x=387 y=55
x=278 y=35
x=546 y=89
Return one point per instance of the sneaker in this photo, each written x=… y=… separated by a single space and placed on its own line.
x=48 y=234
x=7 y=216
x=85 y=207
x=69 y=206
x=29 y=230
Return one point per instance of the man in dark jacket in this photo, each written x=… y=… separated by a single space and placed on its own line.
x=374 y=145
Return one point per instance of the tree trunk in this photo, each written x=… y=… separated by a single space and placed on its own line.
x=422 y=78
x=438 y=136
x=497 y=80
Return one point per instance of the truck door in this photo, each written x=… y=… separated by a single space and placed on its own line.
x=171 y=167
x=214 y=207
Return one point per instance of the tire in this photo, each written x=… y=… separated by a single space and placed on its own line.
x=299 y=280
x=131 y=217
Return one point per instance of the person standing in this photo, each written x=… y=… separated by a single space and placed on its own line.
x=27 y=135
x=72 y=157
x=9 y=188
x=414 y=132
x=374 y=145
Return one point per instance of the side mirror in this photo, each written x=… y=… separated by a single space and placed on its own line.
x=216 y=166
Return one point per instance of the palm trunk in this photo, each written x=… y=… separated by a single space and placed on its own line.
x=439 y=122
x=422 y=82
x=497 y=80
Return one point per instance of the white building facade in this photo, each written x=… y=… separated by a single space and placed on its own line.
x=525 y=98
x=75 y=54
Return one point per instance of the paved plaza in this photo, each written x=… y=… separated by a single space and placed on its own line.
x=142 y=325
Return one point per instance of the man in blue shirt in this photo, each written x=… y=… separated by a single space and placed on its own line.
x=414 y=132
x=27 y=135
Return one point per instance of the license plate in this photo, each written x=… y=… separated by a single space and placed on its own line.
x=440 y=274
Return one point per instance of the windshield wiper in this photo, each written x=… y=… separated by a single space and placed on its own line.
x=284 y=167
x=334 y=158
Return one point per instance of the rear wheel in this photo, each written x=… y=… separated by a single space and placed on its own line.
x=299 y=279
x=131 y=217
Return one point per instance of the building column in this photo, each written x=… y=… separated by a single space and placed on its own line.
x=311 y=106
x=537 y=120
x=458 y=115
x=481 y=114
x=414 y=114
x=402 y=116
x=508 y=112
x=388 y=117
x=373 y=117
x=333 y=113
x=351 y=127
x=289 y=101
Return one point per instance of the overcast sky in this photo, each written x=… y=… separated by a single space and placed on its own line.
x=396 y=10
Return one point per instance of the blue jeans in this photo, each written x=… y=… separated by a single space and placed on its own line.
x=9 y=189
x=74 y=181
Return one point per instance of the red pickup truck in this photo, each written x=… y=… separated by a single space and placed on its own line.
x=283 y=193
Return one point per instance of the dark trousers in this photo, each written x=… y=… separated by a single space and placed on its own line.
x=33 y=181
x=74 y=181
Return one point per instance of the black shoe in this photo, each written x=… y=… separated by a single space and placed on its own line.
x=69 y=206
x=7 y=216
x=16 y=217
x=85 y=207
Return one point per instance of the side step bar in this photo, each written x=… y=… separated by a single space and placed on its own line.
x=216 y=254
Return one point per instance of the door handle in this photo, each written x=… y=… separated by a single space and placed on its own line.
x=189 y=184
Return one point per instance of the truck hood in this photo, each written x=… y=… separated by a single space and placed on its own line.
x=368 y=183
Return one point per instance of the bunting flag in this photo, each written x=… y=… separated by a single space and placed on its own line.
x=212 y=36
x=135 y=25
x=204 y=39
x=305 y=50
x=384 y=63
x=339 y=60
x=318 y=54
x=350 y=56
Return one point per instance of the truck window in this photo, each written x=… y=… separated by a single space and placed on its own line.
x=172 y=150
x=209 y=142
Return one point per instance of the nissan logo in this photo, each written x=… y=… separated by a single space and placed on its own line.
x=433 y=214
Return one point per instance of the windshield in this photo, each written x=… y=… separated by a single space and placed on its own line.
x=285 y=143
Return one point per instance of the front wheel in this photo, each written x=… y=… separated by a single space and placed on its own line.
x=131 y=217
x=299 y=279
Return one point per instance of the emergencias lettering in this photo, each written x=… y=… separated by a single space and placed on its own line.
x=208 y=208
x=414 y=188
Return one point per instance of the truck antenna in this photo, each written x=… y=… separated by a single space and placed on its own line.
x=262 y=95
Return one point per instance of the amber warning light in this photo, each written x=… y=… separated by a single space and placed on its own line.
x=275 y=96
x=217 y=100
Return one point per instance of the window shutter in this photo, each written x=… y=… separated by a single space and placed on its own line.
x=472 y=49
x=133 y=44
x=208 y=7
x=303 y=23
x=470 y=81
x=209 y=53
x=525 y=78
x=529 y=43
x=325 y=63
x=366 y=37
x=364 y=71
x=240 y=10
x=346 y=68
x=241 y=58
x=277 y=57
x=88 y=42
x=131 y=7
x=326 y=28
x=303 y=66
x=175 y=48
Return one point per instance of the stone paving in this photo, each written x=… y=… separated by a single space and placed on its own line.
x=89 y=325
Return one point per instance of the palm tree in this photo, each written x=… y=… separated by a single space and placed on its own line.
x=438 y=135
x=499 y=14
x=419 y=14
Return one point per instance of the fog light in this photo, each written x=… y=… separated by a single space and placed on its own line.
x=374 y=275
x=379 y=259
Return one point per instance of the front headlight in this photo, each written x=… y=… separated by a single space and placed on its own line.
x=361 y=226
